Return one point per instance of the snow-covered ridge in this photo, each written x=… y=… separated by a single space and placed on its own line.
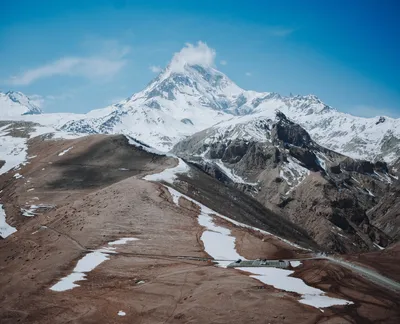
x=187 y=98
x=13 y=104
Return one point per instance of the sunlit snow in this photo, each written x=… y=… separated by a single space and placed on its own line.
x=65 y=151
x=169 y=175
x=220 y=244
x=87 y=263
x=5 y=229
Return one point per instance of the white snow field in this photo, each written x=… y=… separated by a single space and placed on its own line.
x=5 y=229
x=86 y=264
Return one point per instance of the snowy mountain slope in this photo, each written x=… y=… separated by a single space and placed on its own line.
x=373 y=139
x=174 y=105
x=14 y=137
x=191 y=95
x=15 y=104
x=185 y=99
x=276 y=161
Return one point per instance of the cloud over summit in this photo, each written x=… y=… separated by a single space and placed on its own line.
x=198 y=54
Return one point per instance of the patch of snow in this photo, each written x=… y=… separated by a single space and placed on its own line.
x=321 y=160
x=31 y=189
x=383 y=177
x=280 y=278
x=30 y=212
x=218 y=241
x=231 y=174
x=369 y=192
x=121 y=313
x=148 y=149
x=295 y=264
x=68 y=282
x=65 y=151
x=320 y=300
x=220 y=245
x=18 y=176
x=86 y=264
x=12 y=151
x=342 y=236
x=123 y=169
x=378 y=246
x=169 y=175
x=123 y=241
x=293 y=173
x=5 y=229
x=175 y=195
x=27 y=212
x=209 y=211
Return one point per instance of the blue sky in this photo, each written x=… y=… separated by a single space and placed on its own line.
x=81 y=55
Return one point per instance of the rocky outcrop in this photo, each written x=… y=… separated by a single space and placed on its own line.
x=287 y=132
x=324 y=192
x=386 y=214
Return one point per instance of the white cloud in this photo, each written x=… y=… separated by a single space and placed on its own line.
x=281 y=31
x=155 y=69
x=103 y=66
x=43 y=101
x=199 y=54
x=248 y=74
x=223 y=62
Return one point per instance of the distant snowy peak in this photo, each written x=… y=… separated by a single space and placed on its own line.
x=13 y=103
x=192 y=85
x=187 y=98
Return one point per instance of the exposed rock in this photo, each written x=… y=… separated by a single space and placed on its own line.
x=326 y=193
x=359 y=166
x=288 y=132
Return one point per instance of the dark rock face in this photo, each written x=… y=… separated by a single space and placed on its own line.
x=290 y=133
x=380 y=120
x=187 y=121
x=329 y=195
x=335 y=169
x=307 y=157
x=359 y=166
x=386 y=213
x=217 y=150
x=153 y=104
x=235 y=151
x=381 y=167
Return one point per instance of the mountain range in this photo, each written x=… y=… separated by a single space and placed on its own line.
x=184 y=99
x=301 y=198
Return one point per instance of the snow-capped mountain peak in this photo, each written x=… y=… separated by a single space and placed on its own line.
x=207 y=86
x=191 y=95
x=14 y=103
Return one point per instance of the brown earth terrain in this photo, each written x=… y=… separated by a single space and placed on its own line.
x=95 y=195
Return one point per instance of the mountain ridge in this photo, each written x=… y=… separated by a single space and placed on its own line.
x=15 y=103
x=184 y=99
